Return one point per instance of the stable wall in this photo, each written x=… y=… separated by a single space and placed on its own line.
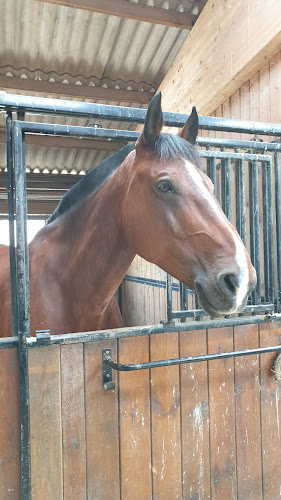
x=195 y=431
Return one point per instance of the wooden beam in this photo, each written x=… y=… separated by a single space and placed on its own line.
x=46 y=141
x=229 y=43
x=122 y=8
x=77 y=91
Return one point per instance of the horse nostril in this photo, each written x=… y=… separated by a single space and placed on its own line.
x=229 y=283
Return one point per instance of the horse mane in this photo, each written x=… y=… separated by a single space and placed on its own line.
x=91 y=181
x=165 y=146
x=170 y=146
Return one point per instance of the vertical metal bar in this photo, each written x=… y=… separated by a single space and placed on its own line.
x=240 y=199
x=251 y=228
x=265 y=229
x=23 y=303
x=169 y=297
x=278 y=222
x=255 y=228
x=13 y=284
x=270 y=234
x=183 y=300
x=227 y=189
x=213 y=174
x=223 y=175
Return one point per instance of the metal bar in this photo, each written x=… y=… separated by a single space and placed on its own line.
x=227 y=189
x=169 y=297
x=8 y=342
x=108 y=361
x=278 y=223
x=265 y=207
x=11 y=216
x=164 y=327
x=240 y=199
x=256 y=228
x=213 y=170
x=195 y=313
x=23 y=304
x=36 y=105
x=233 y=144
x=224 y=155
x=270 y=234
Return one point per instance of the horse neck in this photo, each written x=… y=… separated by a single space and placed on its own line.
x=92 y=253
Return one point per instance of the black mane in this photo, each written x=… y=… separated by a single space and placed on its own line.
x=92 y=181
x=166 y=146
x=169 y=146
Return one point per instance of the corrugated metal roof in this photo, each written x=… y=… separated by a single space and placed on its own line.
x=56 y=43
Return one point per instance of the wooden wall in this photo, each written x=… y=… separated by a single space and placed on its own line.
x=198 y=431
x=259 y=99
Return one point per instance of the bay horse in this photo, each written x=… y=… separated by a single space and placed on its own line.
x=158 y=204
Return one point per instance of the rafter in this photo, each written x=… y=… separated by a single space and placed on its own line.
x=122 y=8
x=77 y=91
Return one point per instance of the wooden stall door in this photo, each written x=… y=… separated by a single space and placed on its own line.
x=195 y=432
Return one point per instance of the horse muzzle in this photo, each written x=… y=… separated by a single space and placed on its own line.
x=227 y=294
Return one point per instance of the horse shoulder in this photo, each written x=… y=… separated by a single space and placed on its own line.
x=111 y=317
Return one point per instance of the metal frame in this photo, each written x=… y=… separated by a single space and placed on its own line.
x=19 y=270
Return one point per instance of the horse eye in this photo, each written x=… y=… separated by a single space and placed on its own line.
x=164 y=187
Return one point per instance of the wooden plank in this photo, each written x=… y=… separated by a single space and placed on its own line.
x=10 y=469
x=195 y=418
x=135 y=443
x=122 y=8
x=270 y=414
x=211 y=64
x=78 y=91
x=102 y=426
x=222 y=416
x=248 y=424
x=73 y=422
x=165 y=416
x=275 y=78
x=45 y=423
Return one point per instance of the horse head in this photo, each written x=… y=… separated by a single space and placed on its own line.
x=172 y=219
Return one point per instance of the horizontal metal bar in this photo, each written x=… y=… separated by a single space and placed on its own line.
x=164 y=327
x=39 y=105
x=95 y=336
x=195 y=313
x=234 y=156
x=8 y=342
x=107 y=360
x=231 y=143
x=122 y=135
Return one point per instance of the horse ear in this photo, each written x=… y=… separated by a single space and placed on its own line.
x=153 y=121
x=190 y=129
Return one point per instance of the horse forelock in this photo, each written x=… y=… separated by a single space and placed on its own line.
x=169 y=146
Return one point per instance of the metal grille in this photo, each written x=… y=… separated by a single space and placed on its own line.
x=246 y=178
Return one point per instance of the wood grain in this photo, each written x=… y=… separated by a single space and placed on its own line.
x=212 y=65
x=222 y=416
x=135 y=422
x=45 y=423
x=270 y=414
x=102 y=426
x=165 y=414
x=248 y=425
x=195 y=418
x=73 y=422
x=10 y=469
